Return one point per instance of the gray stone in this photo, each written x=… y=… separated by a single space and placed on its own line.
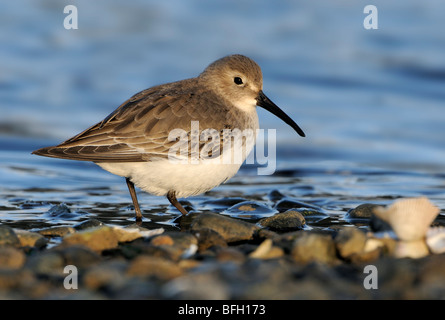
x=90 y=223
x=97 y=239
x=147 y=266
x=11 y=258
x=231 y=230
x=31 y=239
x=208 y=238
x=49 y=263
x=286 y=204
x=363 y=211
x=79 y=256
x=57 y=231
x=349 y=241
x=310 y=247
x=8 y=237
x=284 y=221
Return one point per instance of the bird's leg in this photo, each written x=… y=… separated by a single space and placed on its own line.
x=137 y=209
x=171 y=196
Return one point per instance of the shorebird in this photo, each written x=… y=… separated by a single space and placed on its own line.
x=136 y=142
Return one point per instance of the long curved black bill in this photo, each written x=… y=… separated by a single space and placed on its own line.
x=264 y=102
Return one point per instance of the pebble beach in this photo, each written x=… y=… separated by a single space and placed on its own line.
x=215 y=256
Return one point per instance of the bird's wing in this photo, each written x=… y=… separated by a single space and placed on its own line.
x=139 y=129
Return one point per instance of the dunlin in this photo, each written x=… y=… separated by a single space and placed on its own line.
x=136 y=142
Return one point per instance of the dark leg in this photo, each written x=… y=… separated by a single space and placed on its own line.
x=135 y=199
x=171 y=196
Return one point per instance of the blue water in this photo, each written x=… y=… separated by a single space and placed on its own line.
x=372 y=102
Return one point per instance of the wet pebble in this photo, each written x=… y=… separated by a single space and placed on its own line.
x=208 y=238
x=145 y=266
x=106 y=275
x=201 y=286
x=11 y=258
x=57 y=231
x=90 y=223
x=31 y=239
x=97 y=239
x=312 y=215
x=286 y=204
x=266 y=250
x=8 y=237
x=275 y=195
x=230 y=229
x=186 y=244
x=363 y=211
x=310 y=247
x=350 y=241
x=49 y=263
x=284 y=221
x=78 y=255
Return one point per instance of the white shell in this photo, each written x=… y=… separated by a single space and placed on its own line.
x=411 y=249
x=409 y=218
x=435 y=239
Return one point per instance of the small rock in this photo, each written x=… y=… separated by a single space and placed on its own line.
x=310 y=246
x=275 y=195
x=378 y=225
x=285 y=221
x=105 y=275
x=59 y=210
x=11 y=258
x=97 y=239
x=286 y=204
x=30 y=239
x=386 y=245
x=78 y=255
x=197 y=286
x=11 y=279
x=182 y=240
x=162 y=240
x=365 y=256
x=130 y=234
x=186 y=243
x=431 y=276
x=229 y=254
x=48 y=263
x=350 y=241
x=8 y=237
x=311 y=215
x=59 y=231
x=144 y=266
x=363 y=211
x=266 y=250
x=262 y=249
x=90 y=223
x=231 y=230
x=263 y=234
x=208 y=238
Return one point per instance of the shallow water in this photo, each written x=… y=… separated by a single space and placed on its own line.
x=370 y=101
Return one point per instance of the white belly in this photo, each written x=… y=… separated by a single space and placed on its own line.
x=159 y=177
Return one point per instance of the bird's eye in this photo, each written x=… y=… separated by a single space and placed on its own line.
x=238 y=80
